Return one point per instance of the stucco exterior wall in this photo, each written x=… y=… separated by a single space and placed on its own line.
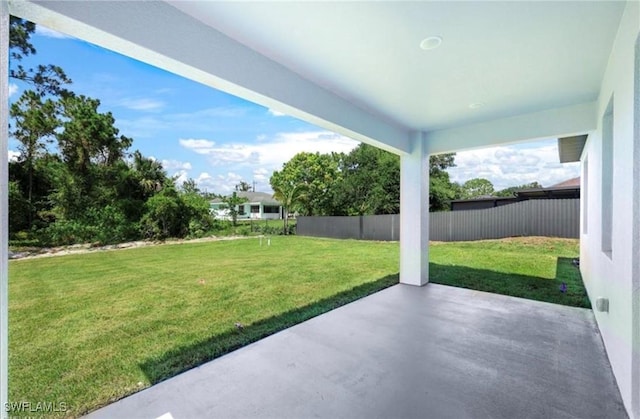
x=611 y=276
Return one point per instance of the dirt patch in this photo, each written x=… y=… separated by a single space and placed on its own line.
x=76 y=249
x=526 y=241
x=537 y=240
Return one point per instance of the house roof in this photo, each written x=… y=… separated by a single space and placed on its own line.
x=485 y=198
x=567 y=187
x=575 y=182
x=254 y=198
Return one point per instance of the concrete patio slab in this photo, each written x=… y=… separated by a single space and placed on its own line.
x=405 y=352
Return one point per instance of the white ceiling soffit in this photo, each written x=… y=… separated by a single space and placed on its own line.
x=357 y=68
x=496 y=59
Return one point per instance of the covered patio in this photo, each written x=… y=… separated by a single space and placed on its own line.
x=416 y=79
x=448 y=353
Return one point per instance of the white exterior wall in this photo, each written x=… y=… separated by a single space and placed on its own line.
x=265 y=216
x=223 y=214
x=614 y=278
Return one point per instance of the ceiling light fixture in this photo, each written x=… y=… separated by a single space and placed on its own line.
x=476 y=105
x=431 y=42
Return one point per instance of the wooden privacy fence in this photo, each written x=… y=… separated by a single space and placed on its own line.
x=544 y=217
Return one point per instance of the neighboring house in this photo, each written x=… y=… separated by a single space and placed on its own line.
x=482 y=202
x=569 y=189
x=259 y=206
x=458 y=76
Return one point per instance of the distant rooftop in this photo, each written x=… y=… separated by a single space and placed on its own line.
x=575 y=182
x=254 y=197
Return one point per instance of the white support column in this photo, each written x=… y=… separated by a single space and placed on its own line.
x=4 y=206
x=414 y=213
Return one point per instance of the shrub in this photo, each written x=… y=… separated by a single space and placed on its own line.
x=105 y=225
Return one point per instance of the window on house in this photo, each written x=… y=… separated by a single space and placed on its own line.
x=271 y=209
x=255 y=209
x=240 y=209
x=585 y=195
x=607 y=180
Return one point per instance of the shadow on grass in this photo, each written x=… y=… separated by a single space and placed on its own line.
x=524 y=286
x=182 y=359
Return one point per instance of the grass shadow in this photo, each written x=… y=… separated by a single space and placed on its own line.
x=182 y=359
x=531 y=287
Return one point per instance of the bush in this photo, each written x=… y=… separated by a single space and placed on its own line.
x=274 y=229
x=111 y=225
x=162 y=216
x=66 y=232
x=106 y=225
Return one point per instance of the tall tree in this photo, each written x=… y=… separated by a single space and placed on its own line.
x=477 y=187
x=88 y=135
x=365 y=181
x=35 y=122
x=370 y=182
x=190 y=186
x=318 y=173
x=243 y=186
x=441 y=189
x=45 y=79
x=93 y=152
x=511 y=191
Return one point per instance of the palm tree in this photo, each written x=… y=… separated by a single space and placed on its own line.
x=149 y=173
x=289 y=195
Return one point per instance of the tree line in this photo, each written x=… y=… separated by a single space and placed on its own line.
x=76 y=178
x=366 y=181
x=363 y=182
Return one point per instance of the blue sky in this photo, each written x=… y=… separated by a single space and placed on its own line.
x=218 y=139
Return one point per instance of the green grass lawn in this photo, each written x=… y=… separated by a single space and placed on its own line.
x=528 y=267
x=89 y=329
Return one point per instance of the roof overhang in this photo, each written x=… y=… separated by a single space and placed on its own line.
x=505 y=72
x=570 y=148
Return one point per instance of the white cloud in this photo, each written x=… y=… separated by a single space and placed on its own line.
x=13 y=155
x=270 y=153
x=273 y=112
x=260 y=175
x=514 y=165
x=221 y=183
x=257 y=160
x=50 y=33
x=176 y=165
x=165 y=90
x=142 y=104
x=180 y=176
x=199 y=146
x=13 y=89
